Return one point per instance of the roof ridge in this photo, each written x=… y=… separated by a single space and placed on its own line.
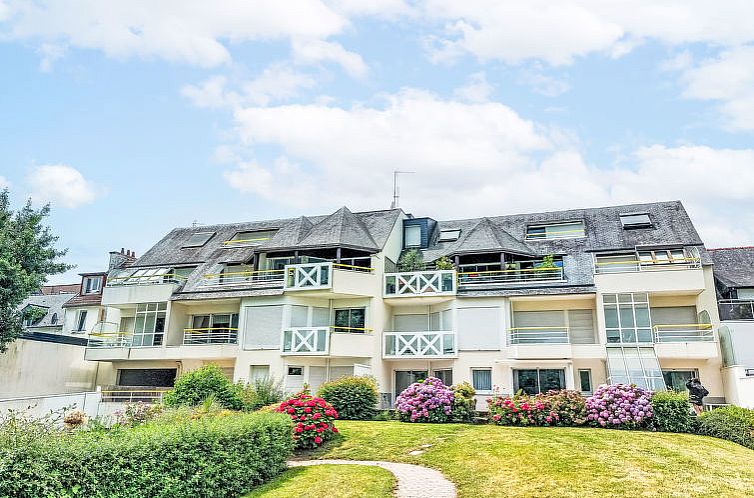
x=729 y=248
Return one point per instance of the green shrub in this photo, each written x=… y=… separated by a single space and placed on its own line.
x=671 y=412
x=260 y=392
x=209 y=381
x=411 y=260
x=220 y=456
x=570 y=406
x=354 y=398
x=731 y=422
x=464 y=402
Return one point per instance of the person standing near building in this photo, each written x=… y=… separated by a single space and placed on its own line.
x=697 y=392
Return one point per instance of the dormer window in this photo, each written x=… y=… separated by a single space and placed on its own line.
x=92 y=285
x=412 y=236
x=449 y=235
x=637 y=220
x=250 y=238
x=566 y=230
x=198 y=239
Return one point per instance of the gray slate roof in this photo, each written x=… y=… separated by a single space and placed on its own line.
x=54 y=305
x=733 y=266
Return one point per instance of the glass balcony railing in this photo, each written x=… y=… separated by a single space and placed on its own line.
x=420 y=283
x=425 y=344
x=210 y=335
x=470 y=280
x=538 y=335
x=615 y=265
x=736 y=309
x=693 y=332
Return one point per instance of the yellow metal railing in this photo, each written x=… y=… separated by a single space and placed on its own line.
x=684 y=332
x=358 y=330
x=210 y=335
x=545 y=235
x=109 y=339
x=353 y=267
x=245 y=241
x=251 y=277
x=510 y=276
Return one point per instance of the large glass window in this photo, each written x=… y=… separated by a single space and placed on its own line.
x=404 y=378
x=445 y=375
x=481 y=379
x=634 y=365
x=149 y=325
x=350 y=320
x=627 y=318
x=540 y=380
x=675 y=380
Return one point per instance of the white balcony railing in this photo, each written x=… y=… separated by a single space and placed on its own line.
x=110 y=340
x=210 y=335
x=146 y=277
x=132 y=395
x=620 y=266
x=420 y=283
x=305 y=341
x=538 y=335
x=469 y=280
x=693 y=332
x=312 y=276
x=257 y=279
x=426 y=344
x=736 y=309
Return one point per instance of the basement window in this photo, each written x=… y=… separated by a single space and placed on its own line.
x=198 y=239
x=638 y=220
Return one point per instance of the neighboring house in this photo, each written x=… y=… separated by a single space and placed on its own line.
x=51 y=322
x=734 y=279
x=569 y=299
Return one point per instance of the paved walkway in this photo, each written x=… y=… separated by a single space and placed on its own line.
x=414 y=481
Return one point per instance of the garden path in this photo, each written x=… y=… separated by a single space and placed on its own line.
x=414 y=481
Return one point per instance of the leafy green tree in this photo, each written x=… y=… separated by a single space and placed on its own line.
x=27 y=257
x=411 y=260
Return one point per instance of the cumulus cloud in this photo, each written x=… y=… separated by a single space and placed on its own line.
x=476 y=89
x=474 y=159
x=320 y=51
x=61 y=185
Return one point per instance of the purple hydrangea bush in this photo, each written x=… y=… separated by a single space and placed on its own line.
x=427 y=401
x=619 y=406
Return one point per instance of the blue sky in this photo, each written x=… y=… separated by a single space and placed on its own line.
x=132 y=117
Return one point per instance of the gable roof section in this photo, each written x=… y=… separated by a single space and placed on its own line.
x=733 y=266
x=342 y=228
x=485 y=236
x=53 y=303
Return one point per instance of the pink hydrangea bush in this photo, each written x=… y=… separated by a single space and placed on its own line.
x=619 y=406
x=521 y=410
x=427 y=401
x=313 y=419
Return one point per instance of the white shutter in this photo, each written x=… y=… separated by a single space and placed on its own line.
x=410 y=323
x=538 y=319
x=434 y=321
x=581 y=326
x=263 y=327
x=674 y=315
x=338 y=372
x=320 y=317
x=361 y=370
x=299 y=316
x=447 y=320
x=317 y=376
x=479 y=329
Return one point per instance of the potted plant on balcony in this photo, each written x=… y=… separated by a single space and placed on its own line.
x=546 y=267
x=411 y=260
x=444 y=263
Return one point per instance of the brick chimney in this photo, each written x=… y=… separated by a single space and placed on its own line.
x=121 y=259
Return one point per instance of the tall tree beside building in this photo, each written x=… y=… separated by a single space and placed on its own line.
x=27 y=257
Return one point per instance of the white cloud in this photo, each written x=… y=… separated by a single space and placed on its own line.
x=474 y=159
x=536 y=80
x=727 y=79
x=559 y=32
x=186 y=31
x=61 y=184
x=50 y=52
x=4 y=182
x=477 y=89
x=314 y=51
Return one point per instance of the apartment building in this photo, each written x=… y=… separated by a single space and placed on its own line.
x=734 y=279
x=531 y=302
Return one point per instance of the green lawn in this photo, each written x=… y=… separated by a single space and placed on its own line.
x=329 y=481
x=493 y=461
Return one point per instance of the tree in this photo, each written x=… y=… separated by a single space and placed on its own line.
x=27 y=257
x=411 y=260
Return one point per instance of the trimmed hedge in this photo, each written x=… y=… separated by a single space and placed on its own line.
x=671 y=412
x=354 y=398
x=730 y=422
x=222 y=457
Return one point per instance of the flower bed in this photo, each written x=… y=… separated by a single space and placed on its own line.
x=427 y=401
x=551 y=408
x=313 y=419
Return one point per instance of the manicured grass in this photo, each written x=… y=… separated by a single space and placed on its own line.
x=329 y=481
x=491 y=461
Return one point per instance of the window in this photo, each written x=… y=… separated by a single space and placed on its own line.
x=412 y=236
x=745 y=293
x=92 y=285
x=568 y=230
x=536 y=381
x=585 y=381
x=81 y=321
x=259 y=372
x=254 y=237
x=662 y=256
x=615 y=263
x=149 y=324
x=350 y=320
x=445 y=375
x=675 y=380
x=404 y=378
x=296 y=371
x=449 y=235
x=221 y=328
x=627 y=318
x=481 y=379
x=54 y=319
x=638 y=220
x=198 y=239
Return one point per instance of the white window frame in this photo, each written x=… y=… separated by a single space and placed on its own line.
x=591 y=382
x=481 y=391
x=635 y=224
x=81 y=324
x=406 y=238
x=571 y=234
x=449 y=235
x=289 y=374
x=93 y=290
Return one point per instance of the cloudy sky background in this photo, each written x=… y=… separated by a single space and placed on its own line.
x=132 y=117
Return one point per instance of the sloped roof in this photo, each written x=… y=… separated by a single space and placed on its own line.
x=342 y=228
x=53 y=303
x=291 y=233
x=733 y=266
x=482 y=236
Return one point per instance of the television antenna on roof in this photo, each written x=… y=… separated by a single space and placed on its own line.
x=396 y=190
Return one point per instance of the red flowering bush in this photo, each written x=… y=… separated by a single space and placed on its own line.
x=521 y=410
x=313 y=419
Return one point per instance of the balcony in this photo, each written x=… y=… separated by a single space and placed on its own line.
x=307 y=341
x=132 y=395
x=545 y=342
x=538 y=335
x=328 y=279
x=696 y=340
x=210 y=335
x=631 y=265
x=419 y=345
x=497 y=278
x=420 y=284
x=258 y=279
x=110 y=340
x=141 y=286
x=736 y=309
